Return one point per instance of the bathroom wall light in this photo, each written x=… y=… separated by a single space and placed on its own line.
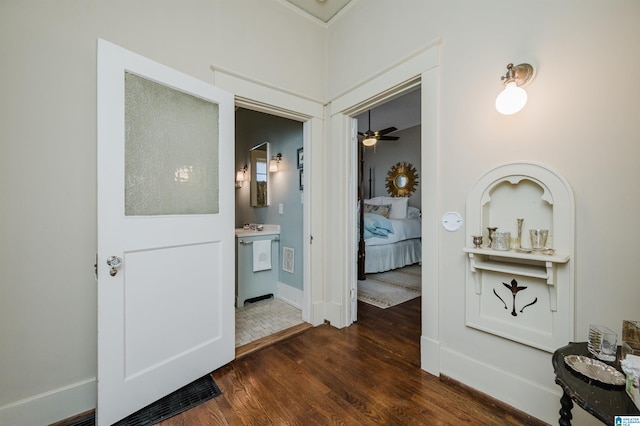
x=273 y=163
x=513 y=98
x=240 y=176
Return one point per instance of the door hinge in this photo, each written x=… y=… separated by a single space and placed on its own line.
x=95 y=267
x=310 y=239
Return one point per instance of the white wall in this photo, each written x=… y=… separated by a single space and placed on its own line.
x=48 y=162
x=581 y=120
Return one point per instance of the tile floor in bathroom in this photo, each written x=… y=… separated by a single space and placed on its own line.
x=263 y=318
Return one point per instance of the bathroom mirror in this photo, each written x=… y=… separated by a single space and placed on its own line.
x=259 y=156
x=402 y=179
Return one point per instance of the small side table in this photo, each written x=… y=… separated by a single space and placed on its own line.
x=601 y=400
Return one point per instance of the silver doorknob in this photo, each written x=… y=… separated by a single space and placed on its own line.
x=114 y=262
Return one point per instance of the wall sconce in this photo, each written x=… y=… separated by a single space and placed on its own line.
x=513 y=98
x=240 y=176
x=273 y=163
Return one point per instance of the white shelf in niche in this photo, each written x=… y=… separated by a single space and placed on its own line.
x=513 y=254
x=511 y=262
x=545 y=310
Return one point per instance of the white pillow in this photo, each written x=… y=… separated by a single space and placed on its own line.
x=413 y=212
x=398 y=206
x=375 y=201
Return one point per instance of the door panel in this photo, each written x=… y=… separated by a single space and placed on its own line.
x=165 y=207
x=155 y=336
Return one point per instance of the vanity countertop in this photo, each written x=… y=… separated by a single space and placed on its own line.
x=267 y=230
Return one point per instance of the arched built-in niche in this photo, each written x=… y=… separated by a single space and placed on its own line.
x=522 y=295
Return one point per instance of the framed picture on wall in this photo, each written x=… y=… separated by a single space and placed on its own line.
x=300 y=158
x=301 y=183
x=287 y=259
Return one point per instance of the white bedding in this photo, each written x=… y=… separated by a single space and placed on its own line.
x=392 y=256
x=403 y=229
x=402 y=248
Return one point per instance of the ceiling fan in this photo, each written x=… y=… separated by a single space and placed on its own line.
x=370 y=138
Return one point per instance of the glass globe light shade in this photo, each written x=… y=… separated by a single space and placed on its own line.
x=273 y=165
x=511 y=100
x=369 y=141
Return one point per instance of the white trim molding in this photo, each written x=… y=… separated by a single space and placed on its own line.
x=52 y=406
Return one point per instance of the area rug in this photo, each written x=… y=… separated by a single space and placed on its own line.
x=386 y=289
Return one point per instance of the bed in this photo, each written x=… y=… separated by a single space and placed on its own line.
x=390 y=238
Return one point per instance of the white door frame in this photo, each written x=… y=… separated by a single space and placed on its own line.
x=420 y=68
x=257 y=96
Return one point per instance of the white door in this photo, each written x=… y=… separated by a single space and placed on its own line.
x=165 y=214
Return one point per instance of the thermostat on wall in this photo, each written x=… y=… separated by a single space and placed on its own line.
x=452 y=221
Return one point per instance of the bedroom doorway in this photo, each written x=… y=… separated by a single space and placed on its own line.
x=421 y=69
x=389 y=202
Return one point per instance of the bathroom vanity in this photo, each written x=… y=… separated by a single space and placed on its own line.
x=257 y=263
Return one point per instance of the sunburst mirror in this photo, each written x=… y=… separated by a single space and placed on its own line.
x=402 y=179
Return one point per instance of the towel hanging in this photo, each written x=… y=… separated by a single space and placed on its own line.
x=261 y=255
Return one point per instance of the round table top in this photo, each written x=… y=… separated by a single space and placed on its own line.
x=601 y=400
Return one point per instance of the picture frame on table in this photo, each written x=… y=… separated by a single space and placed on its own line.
x=300 y=158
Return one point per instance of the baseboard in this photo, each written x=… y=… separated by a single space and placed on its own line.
x=333 y=314
x=522 y=417
x=52 y=406
x=317 y=313
x=430 y=355
x=290 y=295
x=534 y=399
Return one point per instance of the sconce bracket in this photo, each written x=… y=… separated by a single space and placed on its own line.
x=521 y=74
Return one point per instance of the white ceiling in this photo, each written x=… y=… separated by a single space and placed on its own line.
x=321 y=9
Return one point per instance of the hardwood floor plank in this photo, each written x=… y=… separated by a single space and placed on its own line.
x=269 y=340
x=368 y=373
x=365 y=374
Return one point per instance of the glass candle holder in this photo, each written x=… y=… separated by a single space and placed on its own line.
x=603 y=342
x=502 y=241
x=538 y=238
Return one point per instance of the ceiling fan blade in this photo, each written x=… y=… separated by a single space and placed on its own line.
x=388 y=138
x=385 y=131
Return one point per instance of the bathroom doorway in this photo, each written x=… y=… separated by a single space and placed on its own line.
x=281 y=139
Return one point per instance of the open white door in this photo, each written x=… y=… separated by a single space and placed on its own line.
x=165 y=224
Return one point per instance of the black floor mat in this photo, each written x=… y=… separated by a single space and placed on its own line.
x=181 y=400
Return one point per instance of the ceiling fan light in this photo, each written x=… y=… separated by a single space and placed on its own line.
x=370 y=141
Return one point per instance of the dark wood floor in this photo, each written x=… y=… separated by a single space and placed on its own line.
x=368 y=373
